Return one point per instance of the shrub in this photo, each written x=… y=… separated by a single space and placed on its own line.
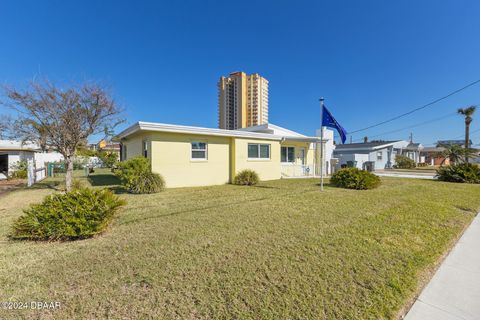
x=137 y=177
x=108 y=158
x=77 y=184
x=462 y=172
x=19 y=170
x=246 y=178
x=403 y=162
x=147 y=182
x=78 y=214
x=354 y=178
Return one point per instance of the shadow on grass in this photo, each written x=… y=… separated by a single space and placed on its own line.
x=326 y=184
x=54 y=185
x=102 y=180
x=107 y=180
x=266 y=187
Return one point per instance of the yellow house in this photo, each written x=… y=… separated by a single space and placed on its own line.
x=196 y=156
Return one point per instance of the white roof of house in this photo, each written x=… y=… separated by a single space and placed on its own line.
x=273 y=129
x=374 y=145
x=253 y=134
x=13 y=145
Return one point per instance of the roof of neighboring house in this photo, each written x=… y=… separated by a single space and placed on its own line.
x=12 y=145
x=374 y=145
x=163 y=127
x=450 y=142
x=433 y=149
x=414 y=147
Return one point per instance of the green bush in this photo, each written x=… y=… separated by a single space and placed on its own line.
x=462 y=172
x=108 y=158
x=19 y=170
x=77 y=184
x=246 y=178
x=137 y=177
x=403 y=162
x=354 y=178
x=147 y=182
x=78 y=214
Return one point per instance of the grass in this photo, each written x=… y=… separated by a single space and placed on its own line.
x=280 y=250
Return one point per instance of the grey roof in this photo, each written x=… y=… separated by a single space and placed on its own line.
x=363 y=144
x=413 y=146
x=450 y=142
x=433 y=149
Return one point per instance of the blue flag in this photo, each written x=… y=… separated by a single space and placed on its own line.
x=329 y=121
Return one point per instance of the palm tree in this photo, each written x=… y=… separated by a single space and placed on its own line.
x=468 y=113
x=456 y=153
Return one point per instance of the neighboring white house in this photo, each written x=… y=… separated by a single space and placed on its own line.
x=13 y=152
x=375 y=155
x=414 y=152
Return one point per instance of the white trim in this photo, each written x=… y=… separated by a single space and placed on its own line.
x=162 y=127
x=202 y=150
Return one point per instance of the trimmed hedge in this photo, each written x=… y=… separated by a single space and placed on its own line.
x=403 y=162
x=246 y=177
x=462 y=173
x=354 y=178
x=137 y=177
x=78 y=214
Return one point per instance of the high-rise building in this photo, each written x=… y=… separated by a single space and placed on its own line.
x=242 y=101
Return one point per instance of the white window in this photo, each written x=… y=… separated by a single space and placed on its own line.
x=379 y=155
x=199 y=150
x=287 y=154
x=258 y=151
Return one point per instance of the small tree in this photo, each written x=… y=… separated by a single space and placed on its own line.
x=456 y=154
x=468 y=113
x=108 y=158
x=62 y=118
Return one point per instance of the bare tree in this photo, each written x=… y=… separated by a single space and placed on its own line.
x=62 y=118
x=467 y=113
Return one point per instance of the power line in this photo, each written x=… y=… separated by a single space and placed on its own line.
x=463 y=135
x=413 y=126
x=417 y=109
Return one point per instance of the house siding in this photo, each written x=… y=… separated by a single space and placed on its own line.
x=171 y=157
x=266 y=169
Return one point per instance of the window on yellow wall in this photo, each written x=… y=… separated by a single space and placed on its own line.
x=258 y=151
x=287 y=154
x=199 y=150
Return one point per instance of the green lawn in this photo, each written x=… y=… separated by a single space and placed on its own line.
x=281 y=250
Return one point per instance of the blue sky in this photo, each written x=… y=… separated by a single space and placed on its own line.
x=371 y=60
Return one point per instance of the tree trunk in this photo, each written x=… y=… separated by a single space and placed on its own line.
x=69 y=173
x=467 y=139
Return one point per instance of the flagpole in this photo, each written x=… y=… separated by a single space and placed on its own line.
x=321 y=142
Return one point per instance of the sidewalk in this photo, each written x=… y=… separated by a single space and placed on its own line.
x=414 y=174
x=454 y=291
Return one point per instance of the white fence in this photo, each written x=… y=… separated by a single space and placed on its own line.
x=297 y=170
